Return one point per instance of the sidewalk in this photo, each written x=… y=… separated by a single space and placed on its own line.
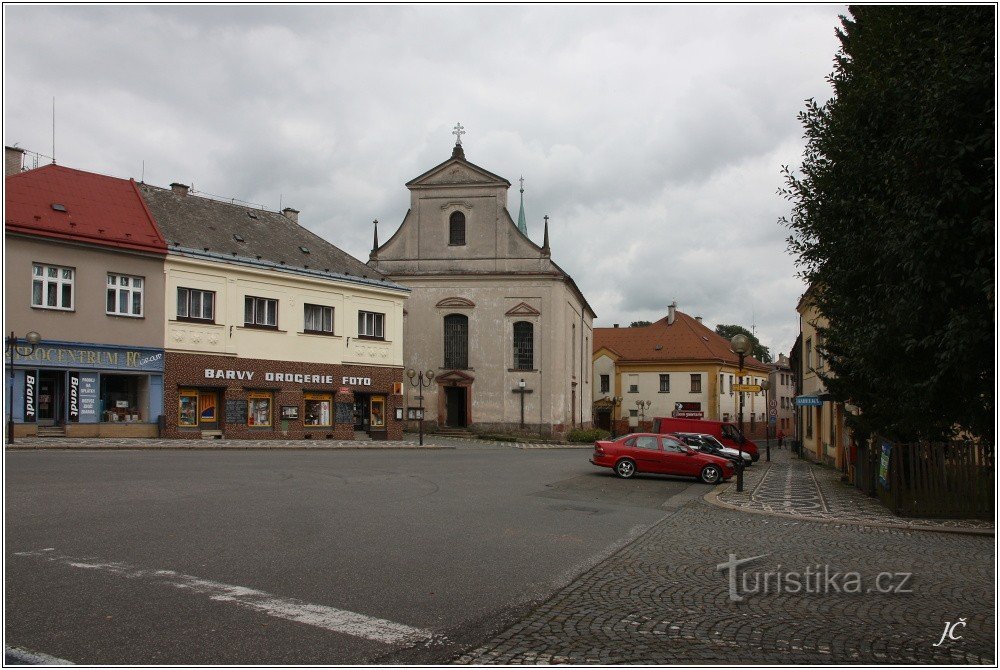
x=792 y=487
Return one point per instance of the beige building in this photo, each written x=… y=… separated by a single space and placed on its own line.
x=822 y=428
x=488 y=309
x=783 y=393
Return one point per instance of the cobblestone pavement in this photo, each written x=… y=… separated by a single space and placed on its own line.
x=663 y=599
x=789 y=485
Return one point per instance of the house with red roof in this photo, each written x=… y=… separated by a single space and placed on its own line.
x=676 y=366
x=84 y=270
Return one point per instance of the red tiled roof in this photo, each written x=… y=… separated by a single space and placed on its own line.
x=683 y=340
x=100 y=210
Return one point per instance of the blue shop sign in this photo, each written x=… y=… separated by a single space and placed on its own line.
x=93 y=357
x=808 y=401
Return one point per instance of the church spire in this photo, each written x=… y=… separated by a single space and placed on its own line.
x=522 y=225
x=545 y=245
x=374 y=254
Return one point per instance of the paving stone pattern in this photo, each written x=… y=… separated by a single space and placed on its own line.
x=794 y=486
x=662 y=600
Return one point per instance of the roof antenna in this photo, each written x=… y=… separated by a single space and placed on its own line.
x=53 y=130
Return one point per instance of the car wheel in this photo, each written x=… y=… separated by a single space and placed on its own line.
x=625 y=468
x=755 y=457
x=711 y=474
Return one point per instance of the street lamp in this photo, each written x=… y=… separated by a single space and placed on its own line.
x=643 y=405
x=419 y=383
x=520 y=390
x=32 y=338
x=740 y=345
x=616 y=402
x=765 y=384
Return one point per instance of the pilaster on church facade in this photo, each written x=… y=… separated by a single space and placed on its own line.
x=488 y=309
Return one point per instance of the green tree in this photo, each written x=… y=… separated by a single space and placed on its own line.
x=892 y=218
x=637 y=324
x=757 y=350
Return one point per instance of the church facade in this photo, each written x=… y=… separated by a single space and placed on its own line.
x=505 y=331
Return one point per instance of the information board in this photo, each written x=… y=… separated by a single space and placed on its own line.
x=236 y=411
x=345 y=412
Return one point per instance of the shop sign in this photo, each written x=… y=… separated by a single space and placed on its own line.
x=688 y=415
x=88 y=398
x=248 y=375
x=30 y=391
x=74 y=397
x=808 y=401
x=87 y=356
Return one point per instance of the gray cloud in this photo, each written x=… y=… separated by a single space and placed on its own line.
x=652 y=135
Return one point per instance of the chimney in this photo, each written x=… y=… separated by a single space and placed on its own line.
x=698 y=319
x=179 y=189
x=616 y=325
x=671 y=313
x=13 y=159
x=291 y=214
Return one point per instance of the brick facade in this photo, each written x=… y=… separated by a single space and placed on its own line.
x=188 y=371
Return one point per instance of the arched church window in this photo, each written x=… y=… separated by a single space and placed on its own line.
x=456 y=342
x=456 y=228
x=524 y=345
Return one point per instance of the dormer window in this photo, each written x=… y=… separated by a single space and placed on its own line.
x=456 y=229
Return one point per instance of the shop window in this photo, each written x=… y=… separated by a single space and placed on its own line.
x=378 y=412
x=195 y=305
x=371 y=325
x=696 y=383
x=318 y=319
x=52 y=287
x=260 y=312
x=318 y=409
x=124 y=295
x=188 y=414
x=207 y=405
x=122 y=397
x=524 y=346
x=259 y=409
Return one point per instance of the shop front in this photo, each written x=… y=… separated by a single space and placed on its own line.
x=88 y=390
x=245 y=398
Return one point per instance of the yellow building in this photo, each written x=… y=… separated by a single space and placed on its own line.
x=821 y=425
x=674 y=367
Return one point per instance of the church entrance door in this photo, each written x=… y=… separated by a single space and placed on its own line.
x=455 y=406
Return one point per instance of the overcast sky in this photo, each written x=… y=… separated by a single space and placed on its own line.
x=653 y=136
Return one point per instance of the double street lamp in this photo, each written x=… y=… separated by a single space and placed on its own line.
x=740 y=345
x=417 y=382
x=643 y=405
x=12 y=347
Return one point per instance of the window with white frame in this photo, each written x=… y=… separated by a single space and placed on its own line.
x=124 y=295
x=664 y=383
x=633 y=383
x=195 y=304
x=52 y=286
x=318 y=319
x=260 y=312
x=371 y=325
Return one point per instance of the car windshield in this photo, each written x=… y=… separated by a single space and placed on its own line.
x=710 y=439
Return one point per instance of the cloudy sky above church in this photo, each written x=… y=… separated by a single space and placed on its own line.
x=653 y=137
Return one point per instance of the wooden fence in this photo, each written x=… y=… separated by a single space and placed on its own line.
x=929 y=479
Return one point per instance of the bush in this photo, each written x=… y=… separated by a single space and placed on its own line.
x=591 y=435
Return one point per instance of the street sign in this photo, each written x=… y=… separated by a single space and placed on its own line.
x=808 y=401
x=750 y=388
x=772 y=412
x=773 y=420
x=773 y=402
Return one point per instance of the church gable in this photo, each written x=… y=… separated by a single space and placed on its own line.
x=457 y=171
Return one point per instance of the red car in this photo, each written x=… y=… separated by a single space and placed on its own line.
x=661 y=454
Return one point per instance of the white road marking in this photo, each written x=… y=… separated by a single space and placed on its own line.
x=26 y=657
x=291 y=609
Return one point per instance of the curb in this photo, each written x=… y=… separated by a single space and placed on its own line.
x=218 y=447
x=712 y=497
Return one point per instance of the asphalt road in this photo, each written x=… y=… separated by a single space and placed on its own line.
x=212 y=557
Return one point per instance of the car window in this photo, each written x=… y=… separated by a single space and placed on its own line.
x=728 y=431
x=630 y=442
x=670 y=444
x=710 y=439
x=646 y=442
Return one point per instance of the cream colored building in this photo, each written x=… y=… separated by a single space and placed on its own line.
x=822 y=428
x=488 y=309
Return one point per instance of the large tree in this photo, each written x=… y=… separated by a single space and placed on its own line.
x=893 y=218
x=757 y=350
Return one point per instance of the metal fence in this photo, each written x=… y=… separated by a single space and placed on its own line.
x=929 y=479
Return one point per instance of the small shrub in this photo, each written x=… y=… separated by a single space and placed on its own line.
x=591 y=435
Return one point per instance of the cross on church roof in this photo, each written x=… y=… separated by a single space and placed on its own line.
x=522 y=183
x=458 y=132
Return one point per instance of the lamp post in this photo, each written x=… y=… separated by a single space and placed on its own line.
x=616 y=402
x=766 y=385
x=643 y=405
x=32 y=338
x=417 y=381
x=740 y=345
